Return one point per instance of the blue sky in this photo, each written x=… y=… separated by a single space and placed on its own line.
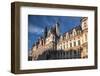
x=36 y=24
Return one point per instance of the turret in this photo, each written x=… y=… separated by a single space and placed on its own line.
x=84 y=23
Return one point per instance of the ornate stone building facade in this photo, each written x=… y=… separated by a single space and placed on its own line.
x=53 y=45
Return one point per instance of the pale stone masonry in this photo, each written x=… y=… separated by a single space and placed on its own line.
x=75 y=41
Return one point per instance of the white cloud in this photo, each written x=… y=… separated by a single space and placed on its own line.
x=35 y=29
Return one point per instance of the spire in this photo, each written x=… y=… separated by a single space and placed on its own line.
x=45 y=32
x=57 y=28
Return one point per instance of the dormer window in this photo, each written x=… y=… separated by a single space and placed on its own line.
x=66 y=35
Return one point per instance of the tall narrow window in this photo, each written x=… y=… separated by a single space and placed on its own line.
x=61 y=47
x=74 y=43
x=70 y=44
x=67 y=45
x=78 y=42
x=64 y=45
